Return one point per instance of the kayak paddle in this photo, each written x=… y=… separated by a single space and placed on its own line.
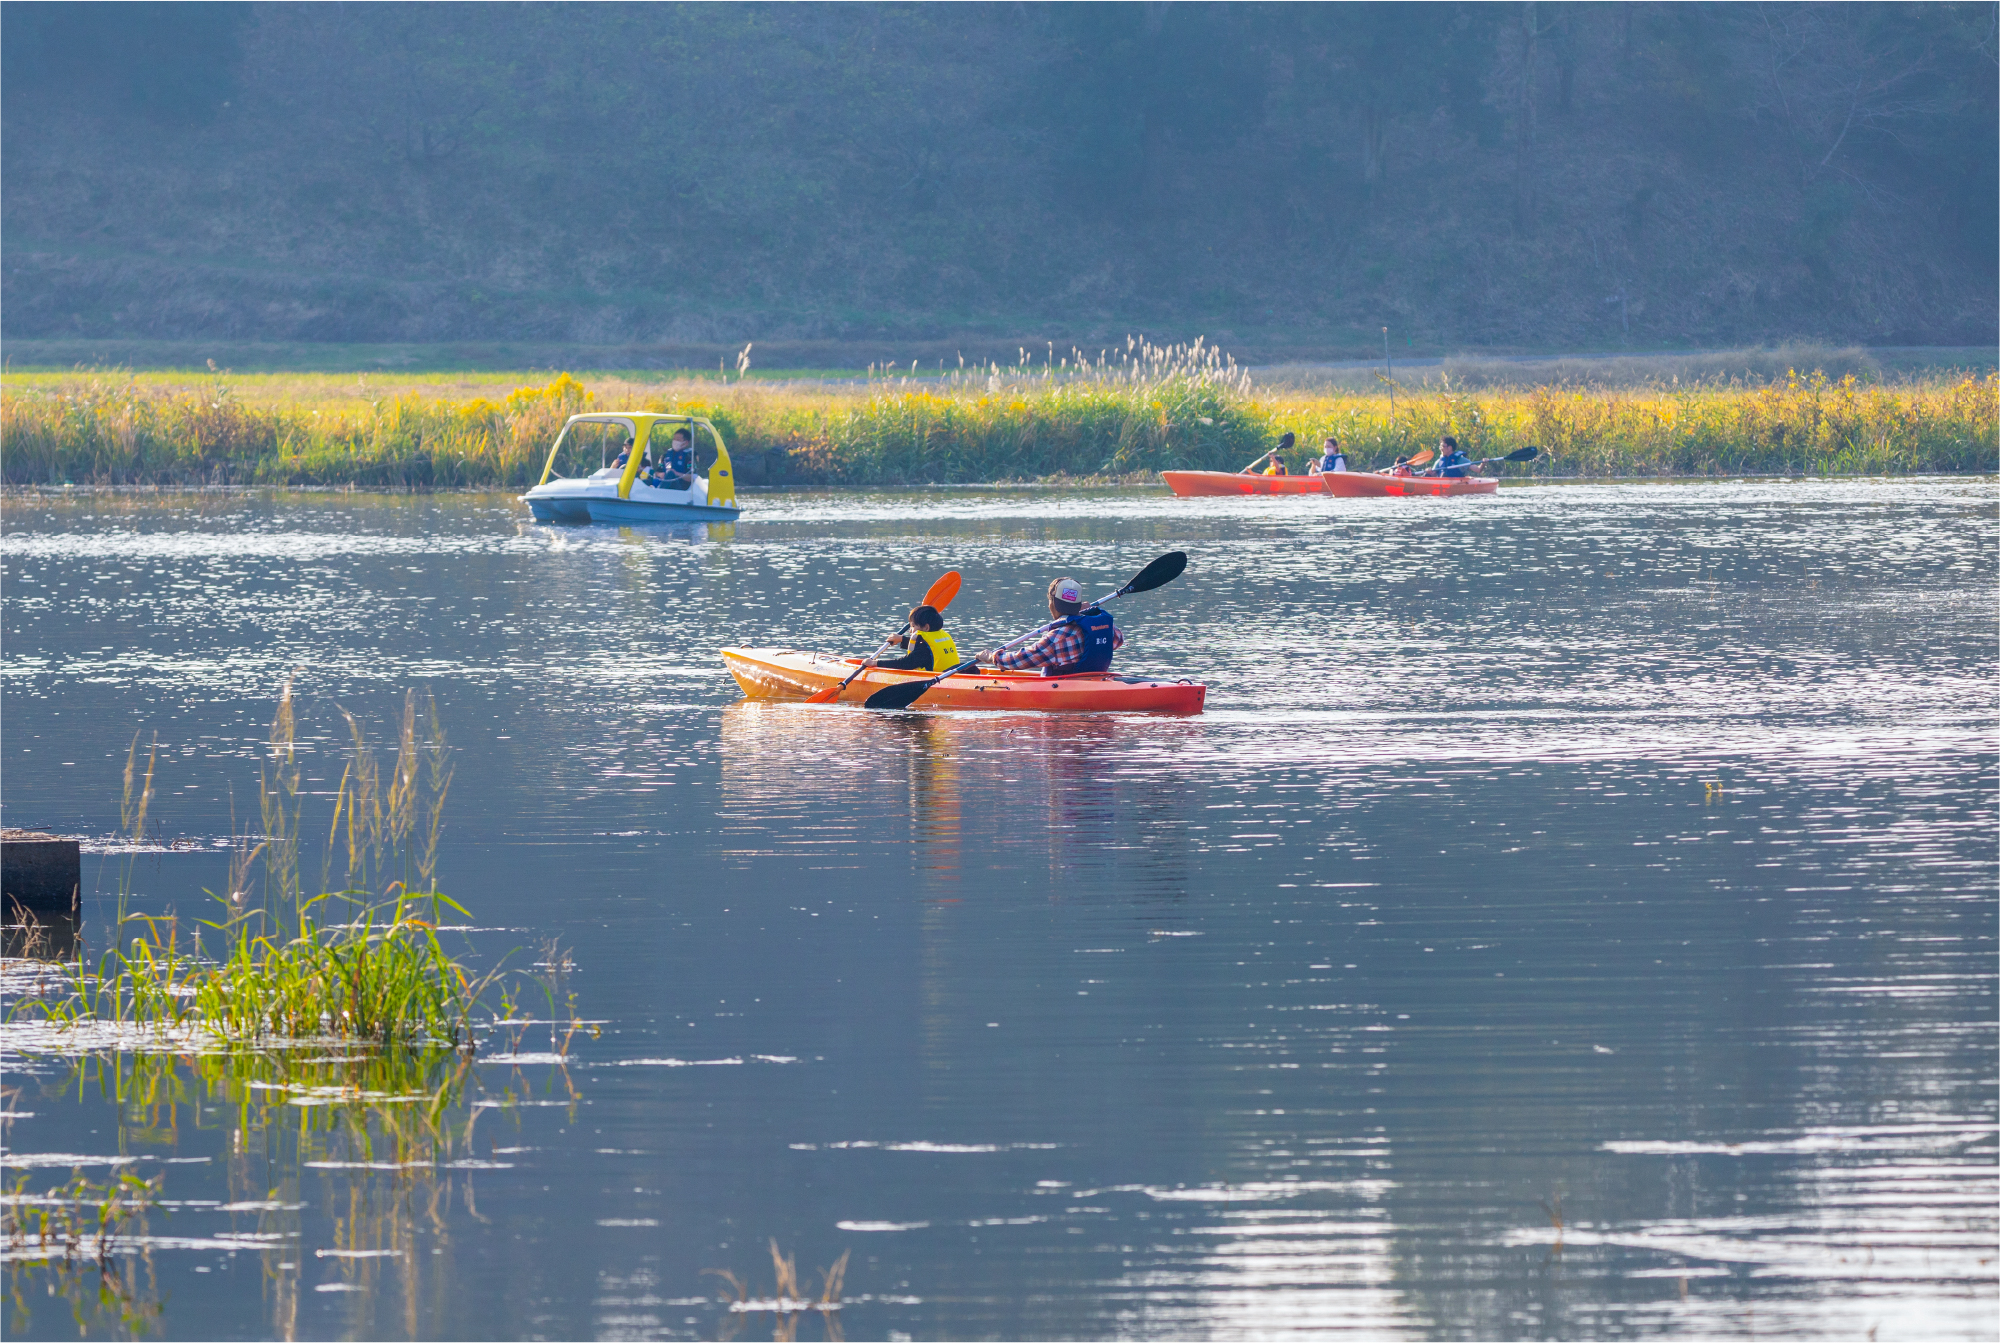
x=1283 y=443
x=1517 y=455
x=1421 y=457
x=1159 y=573
x=937 y=599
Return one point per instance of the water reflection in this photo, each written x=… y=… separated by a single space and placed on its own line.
x=342 y=1173
x=1625 y=851
x=1073 y=790
x=44 y=937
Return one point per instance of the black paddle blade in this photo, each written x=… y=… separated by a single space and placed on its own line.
x=1158 y=574
x=1285 y=442
x=1522 y=455
x=896 y=696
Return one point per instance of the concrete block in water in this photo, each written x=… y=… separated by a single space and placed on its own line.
x=40 y=873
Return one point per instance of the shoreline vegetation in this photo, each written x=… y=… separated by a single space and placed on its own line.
x=1118 y=415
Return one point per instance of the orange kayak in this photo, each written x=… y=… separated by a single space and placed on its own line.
x=783 y=673
x=1185 y=483
x=1369 y=485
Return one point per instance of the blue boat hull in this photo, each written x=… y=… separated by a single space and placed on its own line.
x=631 y=510
x=559 y=510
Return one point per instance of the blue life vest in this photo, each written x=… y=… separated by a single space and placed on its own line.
x=680 y=461
x=1454 y=464
x=1095 y=625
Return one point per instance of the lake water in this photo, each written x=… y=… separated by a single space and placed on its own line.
x=1621 y=855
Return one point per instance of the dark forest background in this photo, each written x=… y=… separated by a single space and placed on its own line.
x=1526 y=176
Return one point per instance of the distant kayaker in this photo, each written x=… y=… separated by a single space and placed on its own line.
x=1451 y=462
x=1331 y=458
x=931 y=649
x=1271 y=463
x=1083 y=642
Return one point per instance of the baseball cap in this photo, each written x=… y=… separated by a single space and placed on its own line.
x=1066 y=590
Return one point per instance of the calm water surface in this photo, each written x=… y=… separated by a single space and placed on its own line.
x=1617 y=853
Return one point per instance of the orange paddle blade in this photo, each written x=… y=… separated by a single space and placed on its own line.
x=943 y=590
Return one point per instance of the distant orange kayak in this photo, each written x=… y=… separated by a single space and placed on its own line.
x=783 y=673
x=1186 y=483
x=1369 y=485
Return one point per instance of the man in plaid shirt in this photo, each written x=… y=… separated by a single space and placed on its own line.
x=1080 y=643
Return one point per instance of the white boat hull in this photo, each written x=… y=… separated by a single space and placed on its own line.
x=595 y=499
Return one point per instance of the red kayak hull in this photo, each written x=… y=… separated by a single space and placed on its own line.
x=782 y=673
x=1190 y=483
x=1369 y=485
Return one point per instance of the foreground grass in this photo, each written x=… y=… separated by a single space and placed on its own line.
x=363 y=964
x=1128 y=416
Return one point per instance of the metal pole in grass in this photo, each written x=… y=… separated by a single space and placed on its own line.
x=1389 y=376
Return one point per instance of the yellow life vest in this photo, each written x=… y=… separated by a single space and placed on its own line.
x=944 y=653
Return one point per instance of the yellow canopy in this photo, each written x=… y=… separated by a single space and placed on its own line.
x=721 y=479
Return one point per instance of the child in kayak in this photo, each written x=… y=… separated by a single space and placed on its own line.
x=1082 y=641
x=931 y=649
x=1272 y=462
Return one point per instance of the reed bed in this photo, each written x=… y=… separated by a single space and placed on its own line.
x=361 y=962
x=1115 y=414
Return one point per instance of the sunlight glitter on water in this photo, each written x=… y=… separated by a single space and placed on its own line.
x=1618 y=848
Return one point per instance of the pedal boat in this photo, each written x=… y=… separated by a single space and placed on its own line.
x=1209 y=483
x=616 y=494
x=1377 y=485
x=783 y=673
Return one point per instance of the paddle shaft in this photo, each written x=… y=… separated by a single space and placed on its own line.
x=1527 y=454
x=938 y=597
x=1283 y=443
x=887 y=644
x=1420 y=457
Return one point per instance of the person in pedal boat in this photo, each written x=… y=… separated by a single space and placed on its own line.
x=931 y=649
x=1082 y=641
x=675 y=470
x=1331 y=459
x=1451 y=462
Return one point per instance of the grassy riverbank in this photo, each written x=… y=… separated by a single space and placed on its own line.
x=1126 y=416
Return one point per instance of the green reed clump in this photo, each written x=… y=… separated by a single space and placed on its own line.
x=345 y=963
x=379 y=972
